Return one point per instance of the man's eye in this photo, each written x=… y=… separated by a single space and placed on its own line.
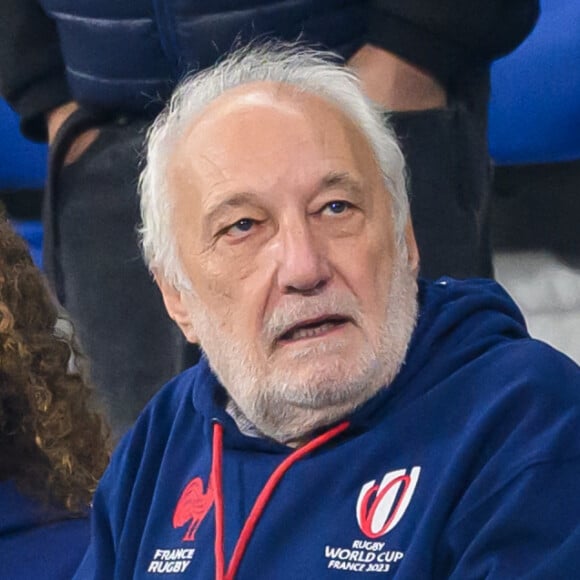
x=336 y=207
x=240 y=227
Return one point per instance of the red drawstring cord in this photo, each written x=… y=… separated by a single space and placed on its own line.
x=216 y=485
x=261 y=501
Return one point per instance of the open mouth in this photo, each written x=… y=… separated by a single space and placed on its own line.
x=313 y=328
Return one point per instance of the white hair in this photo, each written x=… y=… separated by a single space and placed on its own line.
x=305 y=69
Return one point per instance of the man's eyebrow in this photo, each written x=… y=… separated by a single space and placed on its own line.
x=227 y=202
x=342 y=180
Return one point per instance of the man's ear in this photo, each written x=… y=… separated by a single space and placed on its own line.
x=412 y=250
x=176 y=306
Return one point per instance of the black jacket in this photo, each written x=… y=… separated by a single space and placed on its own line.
x=127 y=56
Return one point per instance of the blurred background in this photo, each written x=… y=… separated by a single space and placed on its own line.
x=534 y=139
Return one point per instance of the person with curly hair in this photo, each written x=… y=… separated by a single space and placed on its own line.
x=54 y=445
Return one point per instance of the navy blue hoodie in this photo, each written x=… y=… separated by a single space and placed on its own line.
x=466 y=466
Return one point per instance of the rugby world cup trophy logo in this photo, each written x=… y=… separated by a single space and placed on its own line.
x=380 y=507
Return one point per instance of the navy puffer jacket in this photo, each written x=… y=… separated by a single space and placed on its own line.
x=129 y=55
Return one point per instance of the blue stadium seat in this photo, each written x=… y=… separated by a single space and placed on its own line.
x=22 y=167
x=22 y=163
x=535 y=105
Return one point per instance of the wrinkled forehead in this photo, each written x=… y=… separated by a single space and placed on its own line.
x=258 y=118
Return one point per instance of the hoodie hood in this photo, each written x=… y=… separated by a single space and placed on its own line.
x=458 y=321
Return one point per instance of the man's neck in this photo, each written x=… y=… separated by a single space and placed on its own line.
x=249 y=429
x=245 y=426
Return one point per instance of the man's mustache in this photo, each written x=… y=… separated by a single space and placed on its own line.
x=302 y=309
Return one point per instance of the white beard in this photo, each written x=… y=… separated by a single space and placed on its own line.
x=287 y=407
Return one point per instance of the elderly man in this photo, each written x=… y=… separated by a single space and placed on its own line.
x=346 y=421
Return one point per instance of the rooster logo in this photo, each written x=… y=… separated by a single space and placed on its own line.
x=193 y=506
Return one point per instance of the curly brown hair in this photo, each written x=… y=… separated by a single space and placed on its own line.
x=53 y=442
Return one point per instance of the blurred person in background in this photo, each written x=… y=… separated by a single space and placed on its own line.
x=53 y=446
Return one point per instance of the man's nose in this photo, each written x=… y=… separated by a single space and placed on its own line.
x=303 y=262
